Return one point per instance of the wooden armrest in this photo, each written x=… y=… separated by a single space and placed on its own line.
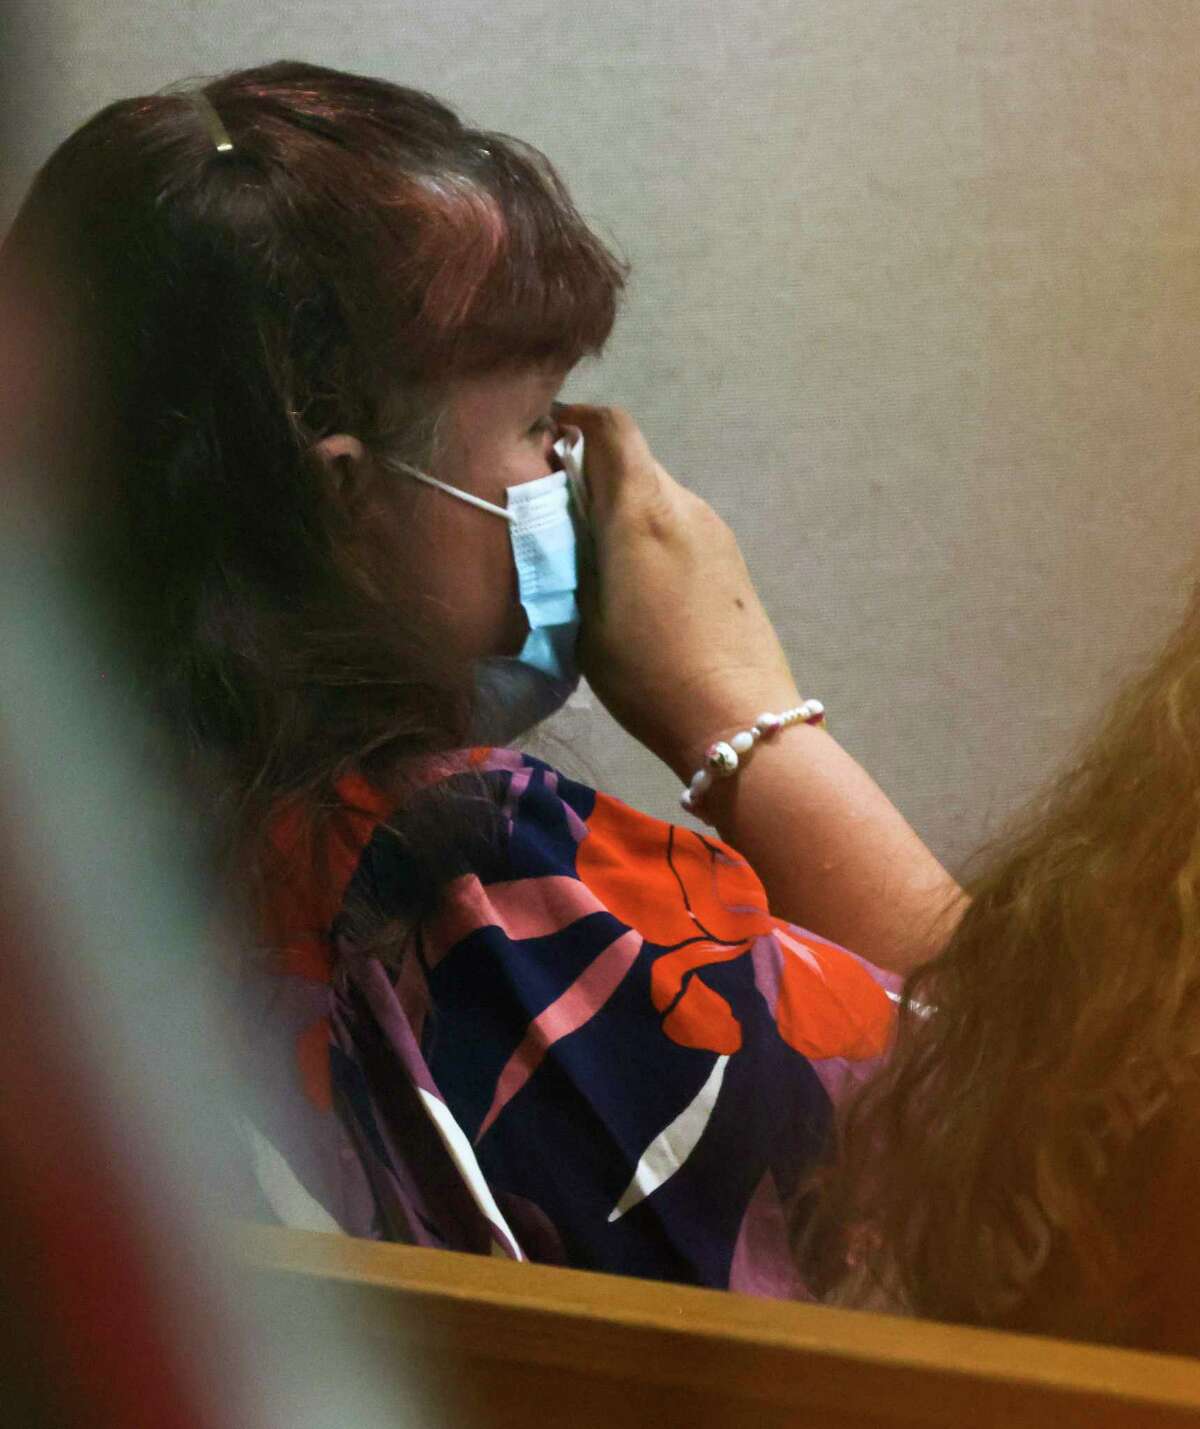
x=494 y=1343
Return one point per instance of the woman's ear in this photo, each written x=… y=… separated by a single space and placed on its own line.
x=345 y=462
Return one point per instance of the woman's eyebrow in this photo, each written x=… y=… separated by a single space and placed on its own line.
x=545 y=399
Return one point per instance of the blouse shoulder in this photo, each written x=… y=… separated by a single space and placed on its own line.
x=596 y=1008
x=560 y=852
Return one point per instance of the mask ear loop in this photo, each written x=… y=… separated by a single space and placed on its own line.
x=567 y=449
x=469 y=497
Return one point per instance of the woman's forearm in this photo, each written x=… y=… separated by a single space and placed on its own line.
x=676 y=643
x=833 y=852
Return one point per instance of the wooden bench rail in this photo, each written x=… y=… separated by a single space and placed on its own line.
x=494 y=1345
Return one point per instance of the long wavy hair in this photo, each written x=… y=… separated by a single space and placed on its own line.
x=198 y=320
x=1061 y=1018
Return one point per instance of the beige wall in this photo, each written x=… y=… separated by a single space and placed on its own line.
x=915 y=305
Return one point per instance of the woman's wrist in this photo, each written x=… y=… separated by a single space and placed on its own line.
x=727 y=757
x=710 y=719
x=726 y=801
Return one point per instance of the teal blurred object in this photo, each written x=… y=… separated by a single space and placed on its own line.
x=121 y=1150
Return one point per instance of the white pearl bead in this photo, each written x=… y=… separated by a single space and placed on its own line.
x=702 y=781
x=813 y=709
x=742 y=742
x=722 y=758
x=769 y=723
x=685 y=800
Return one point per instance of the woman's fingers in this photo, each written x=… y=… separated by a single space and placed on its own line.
x=619 y=463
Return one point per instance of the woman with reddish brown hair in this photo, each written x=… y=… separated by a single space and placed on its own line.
x=1028 y=1157
x=303 y=333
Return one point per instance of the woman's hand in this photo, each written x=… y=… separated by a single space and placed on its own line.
x=675 y=642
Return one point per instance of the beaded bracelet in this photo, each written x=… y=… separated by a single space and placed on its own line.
x=723 y=759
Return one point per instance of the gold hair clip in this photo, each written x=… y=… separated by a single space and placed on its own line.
x=203 y=106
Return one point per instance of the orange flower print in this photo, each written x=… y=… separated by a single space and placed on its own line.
x=829 y=1005
x=684 y=892
x=703 y=903
x=670 y=884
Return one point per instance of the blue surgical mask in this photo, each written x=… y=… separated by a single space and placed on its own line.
x=513 y=693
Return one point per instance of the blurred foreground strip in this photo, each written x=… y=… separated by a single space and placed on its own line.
x=120 y=1158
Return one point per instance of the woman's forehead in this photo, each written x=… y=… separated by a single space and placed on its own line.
x=499 y=393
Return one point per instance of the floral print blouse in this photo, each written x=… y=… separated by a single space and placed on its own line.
x=599 y=1049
